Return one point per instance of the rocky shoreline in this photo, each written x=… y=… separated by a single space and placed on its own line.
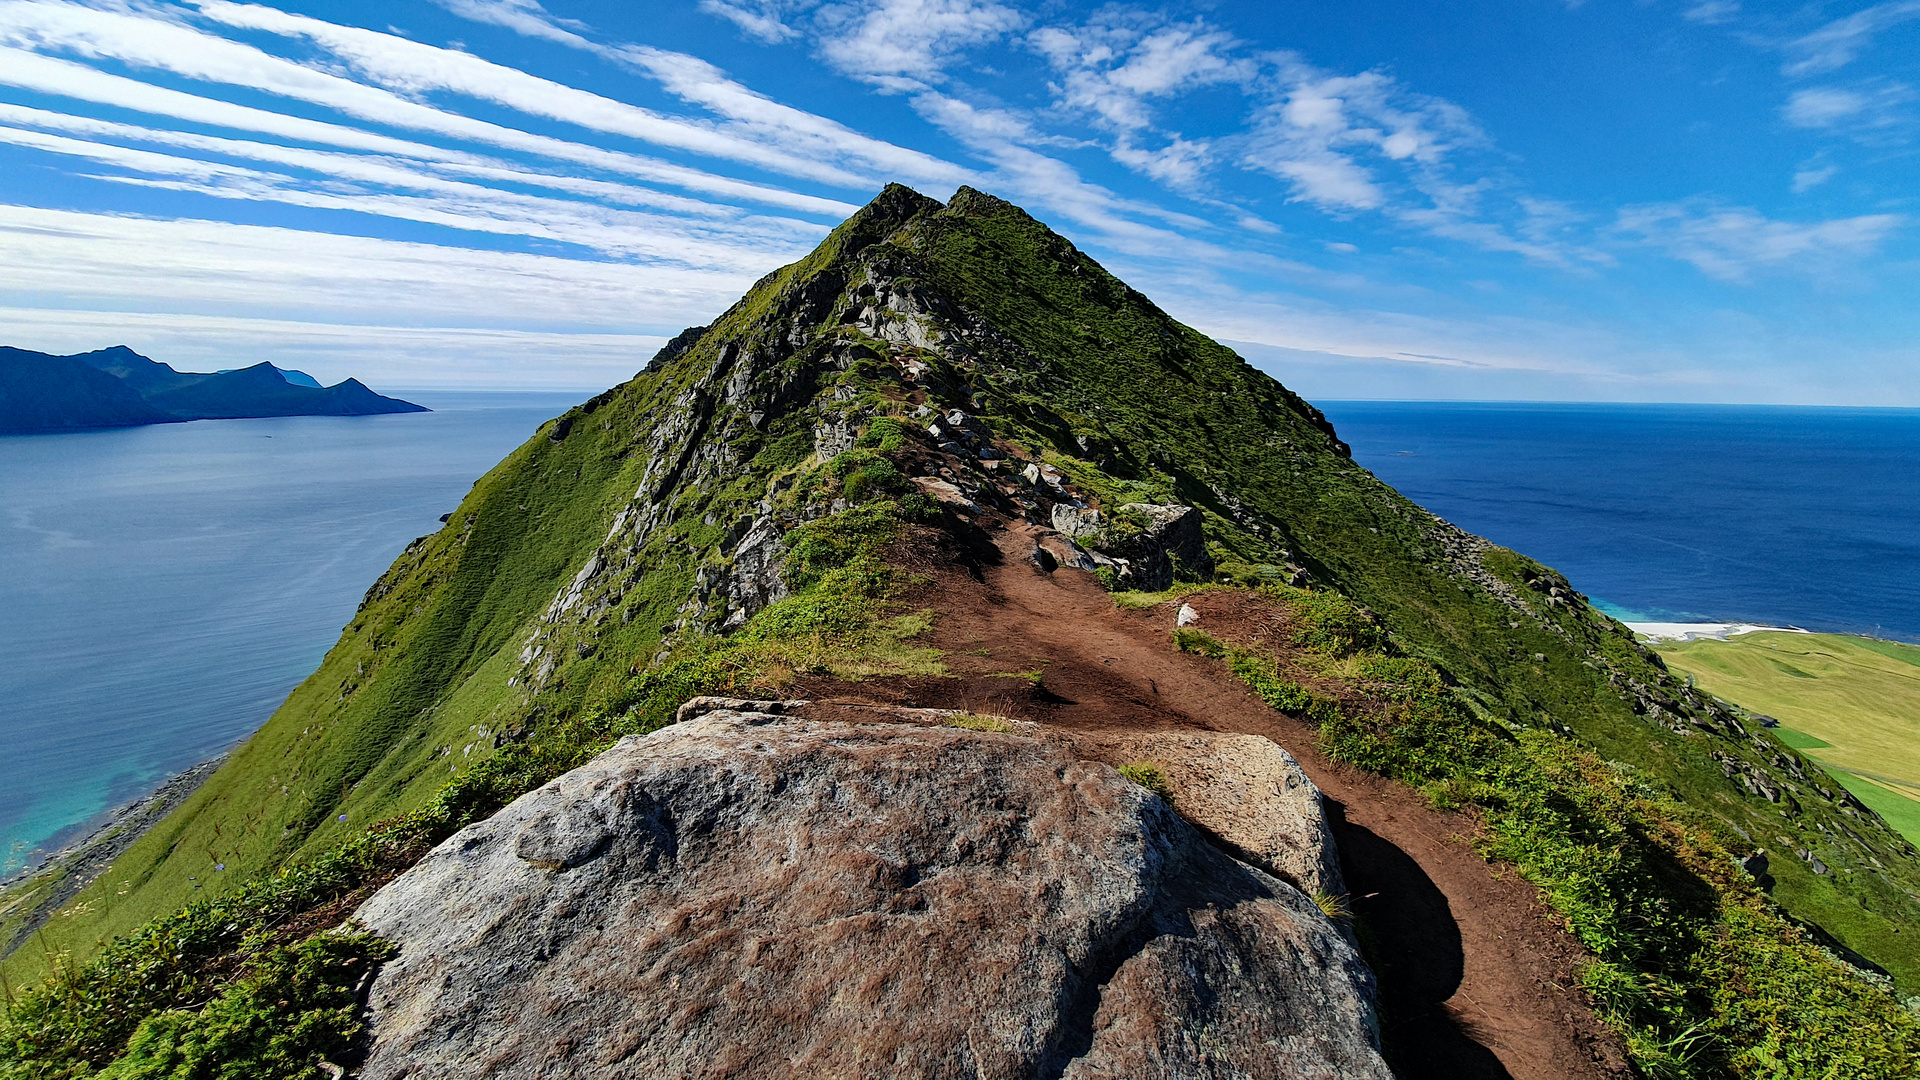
x=45 y=886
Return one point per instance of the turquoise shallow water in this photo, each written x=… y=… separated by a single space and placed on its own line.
x=163 y=588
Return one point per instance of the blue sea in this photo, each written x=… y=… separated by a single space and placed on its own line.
x=1783 y=516
x=163 y=588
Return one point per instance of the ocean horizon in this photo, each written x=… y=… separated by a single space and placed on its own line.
x=169 y=585
x=1779 y=515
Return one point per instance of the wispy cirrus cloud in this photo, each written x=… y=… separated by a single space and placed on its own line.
x=368 y=185
x=414 y=68
x=165 y=45
x=763 y=21
x=761 y=131
x=1812 y=176
x=1734 y=243
x=1712 y=12
x=1838 y=43
x=200 y=266
x=1872 y=110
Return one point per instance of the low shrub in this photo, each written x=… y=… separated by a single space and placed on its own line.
x=1326 y=621
x=1194 y=640
x=292 y=1007
x=1149 y=775
x=1275 y=689
x=885 y=434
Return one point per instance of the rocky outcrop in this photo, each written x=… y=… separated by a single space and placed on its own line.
x=1147 y=547
x=1245 y=792
x=751 y=894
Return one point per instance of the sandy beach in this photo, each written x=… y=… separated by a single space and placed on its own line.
x=1679 y=631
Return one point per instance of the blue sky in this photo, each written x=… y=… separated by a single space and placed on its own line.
x=1664 y=200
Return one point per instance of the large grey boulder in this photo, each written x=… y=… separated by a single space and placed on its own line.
x=748 y=894
x=1167 y=544
x=1175 y=531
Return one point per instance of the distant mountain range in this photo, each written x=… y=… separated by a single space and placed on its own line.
x=118 y=387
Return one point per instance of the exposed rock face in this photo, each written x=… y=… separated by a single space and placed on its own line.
x=1174 y=531
x=1245 y=791
x=1171 y=544
x=1076 y=522
x=749 y=894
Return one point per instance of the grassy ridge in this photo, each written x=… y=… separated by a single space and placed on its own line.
x=1134 y=406
x=1851 y=703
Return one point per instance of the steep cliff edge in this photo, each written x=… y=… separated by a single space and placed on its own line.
x=822 y=486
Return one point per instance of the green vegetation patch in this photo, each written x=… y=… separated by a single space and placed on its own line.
x=1898 y=810
x=292 y=1006
x=1799 y=740
x=978 y=722
x=1694 y=965
x=1150 y=775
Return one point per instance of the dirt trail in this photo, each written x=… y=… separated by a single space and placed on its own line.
x=1476 y=981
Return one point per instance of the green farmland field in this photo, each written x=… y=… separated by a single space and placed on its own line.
x=1851 y=703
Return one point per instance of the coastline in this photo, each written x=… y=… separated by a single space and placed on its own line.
x=30 y=897
x=1688 y=631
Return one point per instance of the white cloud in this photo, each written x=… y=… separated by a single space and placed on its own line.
x=1805 y=180
x=415 y=68
x=1871 y=111
x=763 y=23
x=1733 y=243
x=906 y=45
x=1822 y=106
x=1110 y=69
x=1323 y=133
x=401 y=169
x=694 y=80
x=63 y=259
x=1839 y=42
x=1181 y=163
x=183 y=51
x=521 y=16
x=1711 y=12
x=469 y=207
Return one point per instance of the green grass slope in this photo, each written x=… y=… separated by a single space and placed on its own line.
x=1853 y=704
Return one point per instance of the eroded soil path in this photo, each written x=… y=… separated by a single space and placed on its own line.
x=1477 y=978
